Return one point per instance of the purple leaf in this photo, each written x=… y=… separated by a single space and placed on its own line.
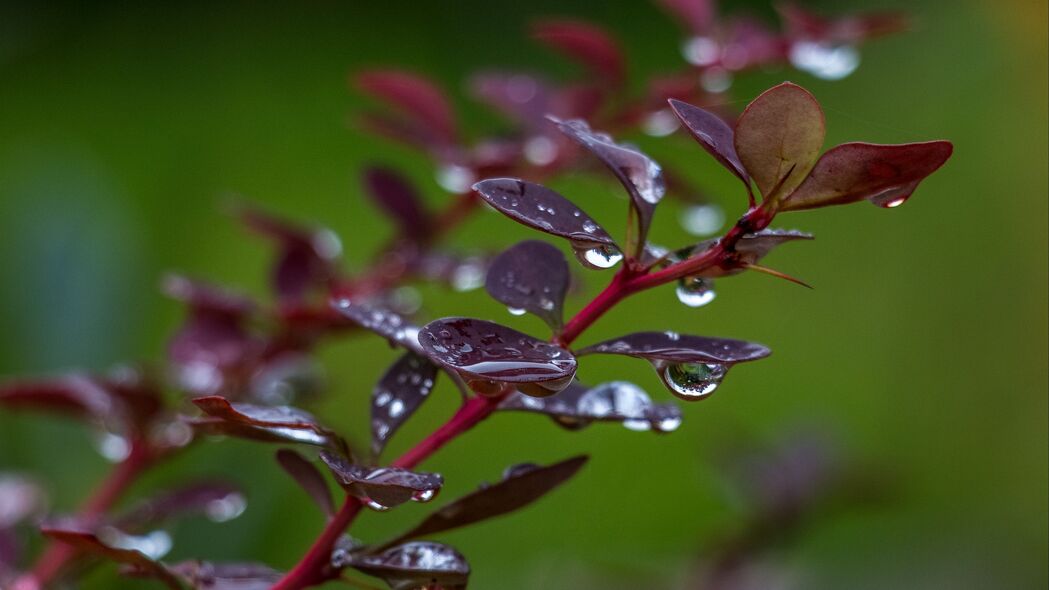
x=414 y=566
x=616 y=401
x=281 y=423
x=691 y=367
x=381 y=320
x=778 y=138
x=416 y=98
x=309 y=479
x=202 y=575
x=587 y=44
x=518 y=488
x=538 y=207
x=382 y=488
x=488 y=352
x=531 y=276
x=523 y=98
x=801 y=23
x=640 y=175
x=883 y=174
x=714 y=135
x=218 y=501
x=108 y=542
x=75 y=394
x=404 y=387
x=397 y=198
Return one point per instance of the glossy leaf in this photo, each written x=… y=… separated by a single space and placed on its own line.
x=382 y=488
x=883 y=174
x=415 y=566
x=518 y=488
x=680 y=348
x=616 y=401
x=381 y=320
x=404 y=387
x=531 y=276
x=543 y=209
x=714 y=134
x=640 y=175
x=309 y=479
x=416 y=98
x=281 y=423
x=778 y=138
x=587 y=44
x=108 y=542
x=396 y=197
x=202 y=575
x=488 y=352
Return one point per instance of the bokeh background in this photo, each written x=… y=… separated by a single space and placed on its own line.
x=922 y=348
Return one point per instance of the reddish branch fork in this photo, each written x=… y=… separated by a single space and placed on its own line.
x=314 y=568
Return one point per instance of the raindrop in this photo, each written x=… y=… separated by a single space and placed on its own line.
x=598 y=257
x=702 y=220
x=516 y=311
x=424 y=495
x=695 y=291
x=396 y=408
x=693 y=381
x=823 y=60
x=113 y=447
x=224 y=509
x=668 y=424
x=637 y=425
x=153 y=545
x=376 y=506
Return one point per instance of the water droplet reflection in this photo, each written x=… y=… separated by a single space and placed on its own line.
x=695 y=291
x=693 y=381
x=598 y=257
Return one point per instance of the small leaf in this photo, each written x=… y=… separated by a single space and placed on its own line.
x=616 y=401
x=641 y=176
x=381 y=320
x=282 y=423
x=76 y=394
x=488 y=352
x=519 y=488
x=404 y=387
x=884 y=174
x=532 y=276
x=586 y=43
x=382 y=488
x=397 y=198
x=309 y=479
x=416 y=98
x=543 y=209
x=110 y=543
x=714 y=135
x=778 y=137
x=415 y=566
x=523 y=98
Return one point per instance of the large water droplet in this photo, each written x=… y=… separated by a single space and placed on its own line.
x=376 y=506
x=695 y=291
x=516 y=311
x=702 y=220
x=693 y=381
x=823 y=60
x=424 y=495
x=668 y=424
x=598 y=257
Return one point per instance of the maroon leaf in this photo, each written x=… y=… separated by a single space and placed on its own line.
x=640 y=175
x=414 y=566
x=397 y=198
x=279 y=422
x=488 y=352
x=778 y=138
x=382 y=488
x=417 y=99
x=616 y=401
x=531 y=276
x=714 y=135
x=518 y=488
x=523 y=98
x=217 y=500
x=691 y=367
x=381 y=320
x=883 y=174
x=538 y=207
x=309 y=479
x=140 y=553
x=801 y=23
x=587 y=44
x=75 y=394
x=404 y=387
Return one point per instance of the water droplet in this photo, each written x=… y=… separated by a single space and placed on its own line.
x=224 y=509
x=424 y=495
x=153 y=545
x=598 y=257
x=660 y=123
x=823 y=60
x=516 y=311
x=396 y=408
x=695 y=291
x=701 y=51
x=376 y=506
x=693 y=381
x=702 y=220
x=668 y=424
x=455 y=179
x=467 y=276
x=895 y=202
x=637 y=425
x=113 y=447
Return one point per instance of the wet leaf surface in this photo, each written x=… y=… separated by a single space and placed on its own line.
x=415 y=566
x=578 y=405
x=531 y=276
x=278 y=423
x=381 y=320
x=404 y=387
x=714 y=134
x=382 y=488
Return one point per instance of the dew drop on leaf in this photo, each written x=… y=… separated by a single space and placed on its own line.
x=693 y=381
x=516 y=311
x=695 y=291
x=598 y=257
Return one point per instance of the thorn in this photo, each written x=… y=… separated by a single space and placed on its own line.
x=777 y=273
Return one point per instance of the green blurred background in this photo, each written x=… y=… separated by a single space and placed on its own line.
x=923 y=346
